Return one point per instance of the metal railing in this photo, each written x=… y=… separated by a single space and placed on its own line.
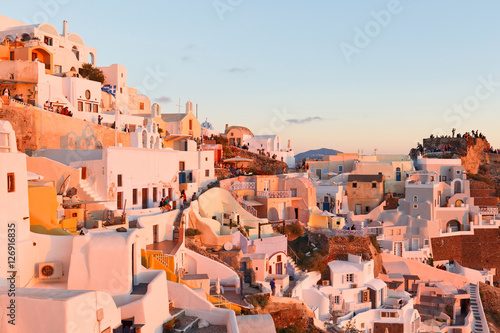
x=484 y=210
x=246 y=206
x=274 y=194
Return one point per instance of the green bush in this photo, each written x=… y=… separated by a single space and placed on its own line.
x=261 y=300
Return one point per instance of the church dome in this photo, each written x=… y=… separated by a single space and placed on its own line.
x=208 y=125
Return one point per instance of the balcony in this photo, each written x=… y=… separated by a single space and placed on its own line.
x=274 y=194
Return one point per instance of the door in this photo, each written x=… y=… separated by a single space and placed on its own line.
x=144 y=198
x=358 y=210
x=326 y=206
x=414 y=244
x=182 y=178
x=84 y=173
x=279 y=268
x=398 y=249
x=155 y=233
x=267 y=185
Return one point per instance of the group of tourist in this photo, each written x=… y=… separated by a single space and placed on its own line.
x=165 y=204
x=442 y=267
x=48 y=106
x=302 y=167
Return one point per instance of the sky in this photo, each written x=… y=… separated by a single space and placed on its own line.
x=347 y=75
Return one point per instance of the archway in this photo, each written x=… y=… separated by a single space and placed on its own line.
x=25 y=37
x=144 y=139
x=459 y=203
x=91 y=58
x=75 y=51
x=453 y=225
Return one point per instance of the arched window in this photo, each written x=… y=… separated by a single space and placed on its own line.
x=398 y=174
x=25 y=37
x=415 y=198
x=91 y=58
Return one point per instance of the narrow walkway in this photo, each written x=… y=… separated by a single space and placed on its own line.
x=291 y=285
x=477 y=324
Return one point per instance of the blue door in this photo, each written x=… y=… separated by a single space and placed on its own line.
x=326 y=206
x=182 y=178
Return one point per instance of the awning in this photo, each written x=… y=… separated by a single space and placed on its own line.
x=176 y=137
x=3 y=81
x=237 y=159
x=34 y=176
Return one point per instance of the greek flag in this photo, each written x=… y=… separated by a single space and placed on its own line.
x=109 y=89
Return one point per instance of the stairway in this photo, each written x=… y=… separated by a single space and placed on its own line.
x=476 y=306
x=184 y=323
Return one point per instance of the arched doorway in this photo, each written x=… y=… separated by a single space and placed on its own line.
x=458 y=187
x=75 y=51
x=398 y=174
x=459 y=203
x=453 y=226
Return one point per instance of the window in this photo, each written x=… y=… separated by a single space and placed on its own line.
x=374 y=185
x=190 y=124
x=141 y=106
x=122 y=74
x=87 y=94
x=12 y=57
x=443 y=178
x=48 y=41
x=362 y=325
x=11 y=182
x=207 y=173
x=119 y=200
x=96 y=108
x=325 y=199
x=206 y=159
x=366 y=296
x=336 y=299
x=181 y=166
x=163 y=192
x=294 y=192
x=398 y=174
x=119 y=180
x=80 y=106
x=341 y=168
x=367 y=209
x=415 y=206
x=415 y=198
x=354 y=185
x=88 y=107
x=349 y=277
x=278 y=258
x=121 y=90
x=57 y=69
x=134 y=196
x=155 y=194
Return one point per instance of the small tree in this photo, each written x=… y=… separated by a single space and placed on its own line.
x=92 y=73
x=350 y=327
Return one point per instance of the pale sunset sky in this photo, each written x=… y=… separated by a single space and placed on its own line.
x=345 y=75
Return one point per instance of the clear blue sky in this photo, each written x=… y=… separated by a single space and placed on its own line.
x=269 y=56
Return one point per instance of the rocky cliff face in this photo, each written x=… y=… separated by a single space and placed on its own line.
x=476 y=154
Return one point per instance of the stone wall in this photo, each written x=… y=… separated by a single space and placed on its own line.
x=339 y=247
x=39 y=129
x=477 y=251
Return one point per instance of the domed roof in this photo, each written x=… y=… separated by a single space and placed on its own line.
x=208 y=125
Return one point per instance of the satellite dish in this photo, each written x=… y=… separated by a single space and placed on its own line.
x=227 y=246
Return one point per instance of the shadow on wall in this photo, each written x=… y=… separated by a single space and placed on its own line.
x=86 y=141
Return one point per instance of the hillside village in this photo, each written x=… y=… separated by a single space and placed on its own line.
x=122 y=218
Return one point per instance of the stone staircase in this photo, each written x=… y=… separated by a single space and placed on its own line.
x=478 y=326
x=184 y=323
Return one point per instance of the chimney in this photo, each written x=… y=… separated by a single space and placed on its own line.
x=65 y=28
x=227 y=128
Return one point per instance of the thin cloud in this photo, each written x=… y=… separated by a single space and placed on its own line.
x=190 y=46
x=303 y=121
x=186 y=59
x=164 y=99
x=238 y=70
